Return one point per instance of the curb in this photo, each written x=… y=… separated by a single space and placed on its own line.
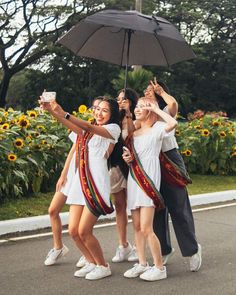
x=41 y=222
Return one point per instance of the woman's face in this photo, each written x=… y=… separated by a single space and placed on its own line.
x=139 y=111
x=149 y=93
x=123 y=102
x=102 y=113
x=95 y=105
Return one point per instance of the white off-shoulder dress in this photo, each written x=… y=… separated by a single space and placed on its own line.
x=148 y=147
x=97 y=148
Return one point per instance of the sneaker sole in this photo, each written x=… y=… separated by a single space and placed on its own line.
x=152 y=280
x=94 y=279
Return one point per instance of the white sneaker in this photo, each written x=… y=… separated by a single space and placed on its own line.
x=84 y=270
x=154 y=274
x=136 y=270
x=122 y=253
x=54 y=255
x=133 y=256
x=195 y=261
x=82 y=262
x=166 y=257
x=99 y=272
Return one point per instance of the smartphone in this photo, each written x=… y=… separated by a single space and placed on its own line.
x=48 y=96
x=125 y=149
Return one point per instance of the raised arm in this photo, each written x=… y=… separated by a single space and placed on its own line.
x=170 y=100
x=73 y=123
x=170 y=121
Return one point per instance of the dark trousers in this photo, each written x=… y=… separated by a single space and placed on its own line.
x=178 y=206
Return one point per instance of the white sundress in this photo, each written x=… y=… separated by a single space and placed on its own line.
x=72 y=188
x=148 y=147
x=97 y=148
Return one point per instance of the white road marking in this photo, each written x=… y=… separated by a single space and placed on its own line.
x=104 y=225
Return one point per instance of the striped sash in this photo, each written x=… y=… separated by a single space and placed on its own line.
x=171 y=173
x=142 y=179
x=93 y=199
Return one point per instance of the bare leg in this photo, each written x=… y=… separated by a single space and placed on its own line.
x=139 y=237
x=86 y=225
x=54 y=209
x=121 y=216
x=146 y=223
x=74 y=221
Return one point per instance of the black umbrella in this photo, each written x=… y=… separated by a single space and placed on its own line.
x=127 y=38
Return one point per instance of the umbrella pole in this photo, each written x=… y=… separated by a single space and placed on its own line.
x=129 y=32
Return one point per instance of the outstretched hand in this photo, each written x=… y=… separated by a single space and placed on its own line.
x=156 y=87
x=151 y=106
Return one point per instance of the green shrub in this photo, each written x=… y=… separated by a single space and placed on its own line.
x=33 y=150
x=208 y=143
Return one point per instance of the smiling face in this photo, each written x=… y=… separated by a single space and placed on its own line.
x=124 y=103
x=102 y=113
x=139 y=111
x=149 y=93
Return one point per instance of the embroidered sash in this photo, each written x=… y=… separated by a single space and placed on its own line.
x=142 y=179
x=171 y=173
x=93 y=199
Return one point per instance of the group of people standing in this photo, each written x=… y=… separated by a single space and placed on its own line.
x=127 y=158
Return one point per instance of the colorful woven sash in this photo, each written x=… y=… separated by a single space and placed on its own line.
x=171 y=173
x=94 y=200
x=142 y=179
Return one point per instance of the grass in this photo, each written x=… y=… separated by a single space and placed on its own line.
x=38 y=205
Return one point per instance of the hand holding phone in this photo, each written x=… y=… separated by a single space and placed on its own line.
x=48 y=96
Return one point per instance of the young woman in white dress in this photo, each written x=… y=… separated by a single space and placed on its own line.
x=102 y=138
x=147 y=140
x=68 y=175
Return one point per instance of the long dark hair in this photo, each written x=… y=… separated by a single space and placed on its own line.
x=115 y=158
x=162 y=104
x=133 y=97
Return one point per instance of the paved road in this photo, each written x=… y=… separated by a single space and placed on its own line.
x=22 y=270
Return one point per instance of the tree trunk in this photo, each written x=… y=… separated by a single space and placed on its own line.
x=3 y=89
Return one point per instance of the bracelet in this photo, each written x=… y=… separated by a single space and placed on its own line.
x=67 y=116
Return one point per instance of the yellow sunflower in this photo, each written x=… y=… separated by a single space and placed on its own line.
x=205 y=132
x=74 y=113
x=23 y=122
x=5 y=126
x=177 y=132
x=19 y=143
x=91 y=120
x=32 y=114
x=40 y=127
x=82 y=109
x=222 y=134
x=188 y=153
x=43 y=142
x=215 y=123
x=0 y=120
x=12 y=157
x=197 y=126
x=5 y=114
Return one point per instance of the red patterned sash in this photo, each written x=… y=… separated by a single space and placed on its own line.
x=142 y=179
x=94 y=200
x=171 y=173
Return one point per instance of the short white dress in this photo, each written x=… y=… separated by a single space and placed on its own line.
x=72 y=189
x=148 y=147
x=97 y=148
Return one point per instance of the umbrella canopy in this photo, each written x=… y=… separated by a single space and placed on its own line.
x=127 y=38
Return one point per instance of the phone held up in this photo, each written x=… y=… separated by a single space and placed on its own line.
x=48 y=96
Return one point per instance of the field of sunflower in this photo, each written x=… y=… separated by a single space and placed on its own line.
x=33 y=150
x=208 y=143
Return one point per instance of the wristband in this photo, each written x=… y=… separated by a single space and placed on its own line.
x=67 y=116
